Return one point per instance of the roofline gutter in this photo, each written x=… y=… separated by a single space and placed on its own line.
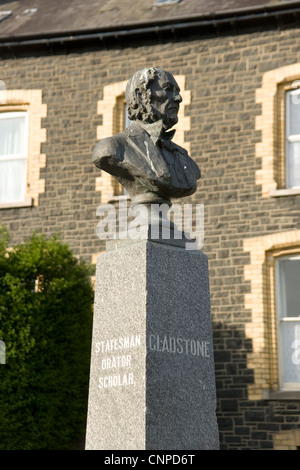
x=203 y=24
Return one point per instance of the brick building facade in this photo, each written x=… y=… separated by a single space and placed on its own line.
x=232 y=69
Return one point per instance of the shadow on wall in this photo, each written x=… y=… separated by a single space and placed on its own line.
x=232 y=378
x=246 y=424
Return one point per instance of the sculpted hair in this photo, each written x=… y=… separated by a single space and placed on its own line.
x=138 y=95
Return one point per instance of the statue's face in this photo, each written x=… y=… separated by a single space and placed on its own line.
x=165 y=99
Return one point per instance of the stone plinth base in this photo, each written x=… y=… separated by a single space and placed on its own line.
x=152 y=381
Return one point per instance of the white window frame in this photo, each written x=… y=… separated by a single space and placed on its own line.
x=281 y=318
x=290 y=138
x=21 y=156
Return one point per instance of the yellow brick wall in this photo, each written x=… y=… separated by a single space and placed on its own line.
x=287 y=440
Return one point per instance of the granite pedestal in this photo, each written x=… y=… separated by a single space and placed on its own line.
x=152 y=379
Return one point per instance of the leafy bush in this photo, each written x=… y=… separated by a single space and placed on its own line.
x=45 y=321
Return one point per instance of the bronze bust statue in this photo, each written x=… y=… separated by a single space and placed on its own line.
x=143 y=158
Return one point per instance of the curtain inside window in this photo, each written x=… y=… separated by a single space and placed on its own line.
x=293 y=106
x=293 y=139
x=13 y=152
x=289 y=318
x=12 y=180
x=294 y=164
x=12 y=136
x=289 y=275
x=291 y=351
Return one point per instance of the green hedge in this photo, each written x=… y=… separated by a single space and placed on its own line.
x=46 y=328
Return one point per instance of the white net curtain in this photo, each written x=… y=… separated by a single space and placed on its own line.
x=288 y=292
x=13 y=156
x=293 y=139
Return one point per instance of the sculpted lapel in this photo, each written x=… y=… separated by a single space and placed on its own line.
x=144 y=145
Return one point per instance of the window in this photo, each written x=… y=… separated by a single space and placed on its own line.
x=279 y=122
x=288 y=320
x=21 y=136
x=292 y=139
x=274 y=303
x=13 y=156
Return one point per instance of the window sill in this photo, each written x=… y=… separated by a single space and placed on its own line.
x=284 y=192
x=12 y=205
x=281 y=394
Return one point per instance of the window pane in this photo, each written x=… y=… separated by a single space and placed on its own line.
x=289 y=275
x=293 y=112
x=293 y=164
x=12 y=180
x=12 y=135
x=291 y=351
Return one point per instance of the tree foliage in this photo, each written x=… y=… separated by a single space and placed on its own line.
x=45 y=321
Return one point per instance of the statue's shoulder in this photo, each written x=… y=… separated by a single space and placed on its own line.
x=187 y=160
x=179 y=149
x=109 y=146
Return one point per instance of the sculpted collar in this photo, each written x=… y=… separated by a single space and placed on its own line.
x=156 y=131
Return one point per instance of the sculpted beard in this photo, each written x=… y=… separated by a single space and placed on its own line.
x=141 y=109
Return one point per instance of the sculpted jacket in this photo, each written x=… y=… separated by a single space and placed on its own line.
x=150 y=169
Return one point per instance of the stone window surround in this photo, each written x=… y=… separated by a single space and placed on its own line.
x=29 y=101
x=271 y=123
x=111 y=107
x=261 y=301
x=287 y=440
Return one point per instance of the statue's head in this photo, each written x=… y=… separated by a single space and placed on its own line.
x=152 y=94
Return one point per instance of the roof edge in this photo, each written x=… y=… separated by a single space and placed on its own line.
x=231 y=18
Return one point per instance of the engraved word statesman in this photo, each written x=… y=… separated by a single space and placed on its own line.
x=143 y=158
